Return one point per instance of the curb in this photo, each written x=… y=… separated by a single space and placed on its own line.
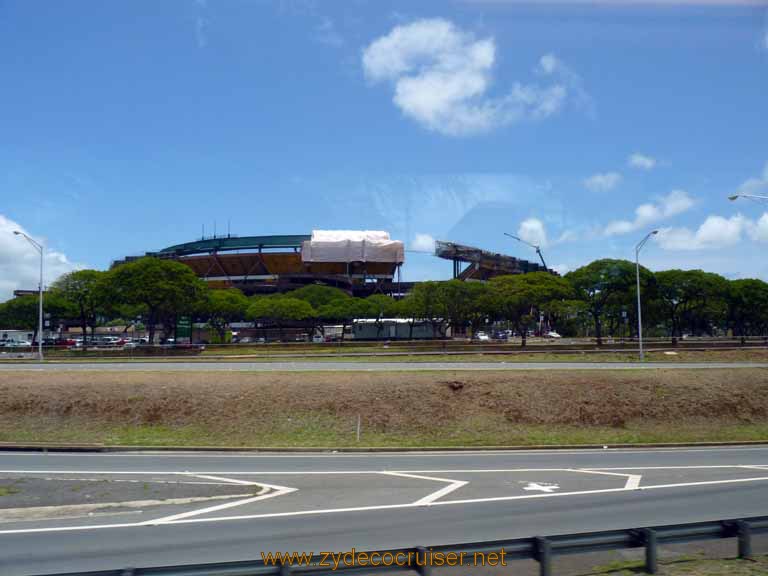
x=106 y=448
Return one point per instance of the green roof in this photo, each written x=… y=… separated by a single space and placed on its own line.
x=225 y=244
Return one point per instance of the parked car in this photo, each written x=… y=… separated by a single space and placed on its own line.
x=317 y=338
x=553 y=334
x=482 y=337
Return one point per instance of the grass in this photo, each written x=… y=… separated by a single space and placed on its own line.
x=303 y=432
x=405 y=355
x=396 y=408
x=8 y=490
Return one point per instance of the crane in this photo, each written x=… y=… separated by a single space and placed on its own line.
x=534 y=246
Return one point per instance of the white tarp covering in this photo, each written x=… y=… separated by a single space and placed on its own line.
x=352 y=246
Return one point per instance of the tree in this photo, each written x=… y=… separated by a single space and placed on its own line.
x=22 y=313
x=597 y=283
x=379 y=306
x=221 y=307
x=693 y=297
x=748 y=307
x=280 y=309
x=463 y=303
x=518 y=297
x=344 y=310
x=428 y=303
x=161 y=290
x=84 y=291
x=318 y=295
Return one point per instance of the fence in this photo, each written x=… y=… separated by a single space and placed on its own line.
x=541 y=549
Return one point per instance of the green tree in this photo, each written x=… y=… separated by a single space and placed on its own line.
x=463 y=303
x=160 y=290
x=691 y=297
x=221 y=307
x=518 y=298
x=280 y=310
x=428 y=303
x=84 y=291
x=378 y=307
x=748 y=307
x=22 y=313
x=600 y=282
x=344 y=311
x=318 y=295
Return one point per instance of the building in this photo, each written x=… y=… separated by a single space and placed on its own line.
x=361 y=262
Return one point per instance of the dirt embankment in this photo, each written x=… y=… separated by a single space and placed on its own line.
x=317 y=408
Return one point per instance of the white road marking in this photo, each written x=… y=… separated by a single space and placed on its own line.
x=633 y=480
x=54 y=512
x=429 y=498
x=543 y=486
x=170 y=521
x=276 y=491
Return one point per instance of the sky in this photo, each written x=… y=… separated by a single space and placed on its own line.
x=579 y=125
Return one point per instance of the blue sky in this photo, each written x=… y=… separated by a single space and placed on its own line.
x=127 y=126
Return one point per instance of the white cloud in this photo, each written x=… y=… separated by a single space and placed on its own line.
x=602 y=181
x=423 y=243
x=715 y=232
x=532 y=231
x=676 y=202
x=551 y=65
x=641 y=161
x=442 y=74
x=20 y=262
x=759 y=230
x=561 y=269
x=757 y=185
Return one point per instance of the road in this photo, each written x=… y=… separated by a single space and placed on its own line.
x=176 y=366
x=72 y=512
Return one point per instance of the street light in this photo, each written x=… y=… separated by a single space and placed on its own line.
x=39 y=248
x=534 y=246
x=756 y=197
x=637 y=273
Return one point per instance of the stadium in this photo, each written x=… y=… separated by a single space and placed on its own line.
x=361 y=262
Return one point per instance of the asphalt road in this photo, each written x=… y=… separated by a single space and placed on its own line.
x=72 y=512
x=362 y=366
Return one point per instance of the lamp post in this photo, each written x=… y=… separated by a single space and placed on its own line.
x=39 y=248
x=637 y=275
x=756 y=197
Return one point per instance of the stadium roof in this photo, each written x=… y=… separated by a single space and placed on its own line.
x=231 y=243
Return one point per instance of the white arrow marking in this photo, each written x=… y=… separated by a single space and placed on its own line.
x=543 y=486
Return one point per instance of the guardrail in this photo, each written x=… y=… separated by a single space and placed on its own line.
x=540 y=548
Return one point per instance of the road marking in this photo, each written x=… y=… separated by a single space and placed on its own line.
x=633 y=480
x=543 y=486
x=54 y=512
x=169 y=521
x=429 y=498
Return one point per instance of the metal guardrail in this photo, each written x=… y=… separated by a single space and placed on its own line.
x=541 y=549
